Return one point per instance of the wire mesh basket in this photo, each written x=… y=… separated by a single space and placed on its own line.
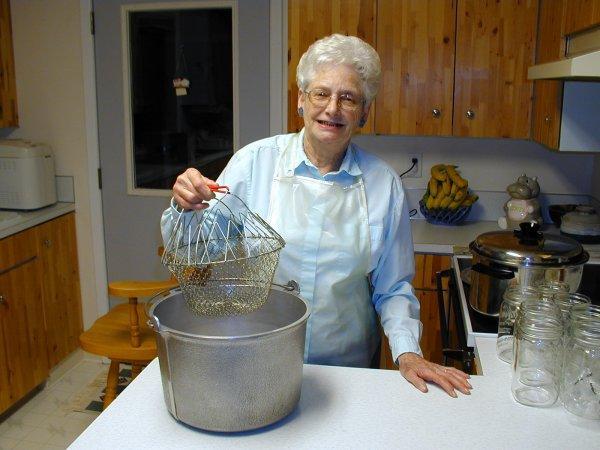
x=223 y=257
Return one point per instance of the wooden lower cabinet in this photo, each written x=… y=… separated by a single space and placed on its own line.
x=23 y=351
x=40 y=305
x=424 y=282
x=57 y=249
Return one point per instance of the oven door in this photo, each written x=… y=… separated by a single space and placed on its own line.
x=455 y=351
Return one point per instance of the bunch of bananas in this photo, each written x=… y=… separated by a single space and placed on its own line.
x=447 y=189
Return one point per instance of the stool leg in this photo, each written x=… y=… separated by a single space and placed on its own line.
x=135 y=370
x=111 y=383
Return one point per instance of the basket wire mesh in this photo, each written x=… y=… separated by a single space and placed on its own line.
x=223 y=257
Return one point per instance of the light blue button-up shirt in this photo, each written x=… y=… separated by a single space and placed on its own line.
x=249 y=175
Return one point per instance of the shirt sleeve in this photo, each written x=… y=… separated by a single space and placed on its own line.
x=393 y=295
x=237 y=175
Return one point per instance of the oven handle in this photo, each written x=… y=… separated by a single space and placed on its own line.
x=464 y=354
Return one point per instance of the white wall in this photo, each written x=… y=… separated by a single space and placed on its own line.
x=488 y=164
x=48 y=65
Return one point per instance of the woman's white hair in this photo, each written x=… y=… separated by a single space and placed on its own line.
x=339 y=49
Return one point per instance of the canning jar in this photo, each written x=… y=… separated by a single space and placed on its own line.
x=566 y=300
x=537 y=349
x=580 y=382
x=548 y=289
x=511 y=300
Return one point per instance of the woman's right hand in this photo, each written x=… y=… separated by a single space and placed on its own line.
x=191 y=190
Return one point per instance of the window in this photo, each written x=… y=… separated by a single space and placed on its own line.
x=181 y=100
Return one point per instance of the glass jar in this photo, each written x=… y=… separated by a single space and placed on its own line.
x=548 y=289
x=537 y=349
x=580 y=382
x=511 y=300
x=566 y=300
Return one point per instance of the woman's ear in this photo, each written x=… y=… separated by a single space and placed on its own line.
x=364 y=116
x=300 y=99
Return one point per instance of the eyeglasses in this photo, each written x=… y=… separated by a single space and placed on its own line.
x=321 y=98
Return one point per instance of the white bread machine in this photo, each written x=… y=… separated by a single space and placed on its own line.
x=26 y=175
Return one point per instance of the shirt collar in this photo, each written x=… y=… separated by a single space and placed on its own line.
x=299 y=159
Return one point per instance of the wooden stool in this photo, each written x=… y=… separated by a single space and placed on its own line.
x=123 y=335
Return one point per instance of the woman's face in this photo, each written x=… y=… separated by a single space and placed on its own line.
x=330 y=124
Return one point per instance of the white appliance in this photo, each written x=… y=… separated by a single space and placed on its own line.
x=27 y=178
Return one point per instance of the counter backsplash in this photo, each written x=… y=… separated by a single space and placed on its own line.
x=490 y=203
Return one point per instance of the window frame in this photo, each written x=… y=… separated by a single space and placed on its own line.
x=127 y=93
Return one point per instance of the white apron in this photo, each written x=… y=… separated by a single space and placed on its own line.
x=327 y=251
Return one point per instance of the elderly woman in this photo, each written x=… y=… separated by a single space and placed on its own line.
x=342 y=213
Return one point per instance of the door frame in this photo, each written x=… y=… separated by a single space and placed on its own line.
x=126 y=66
x=93 y=152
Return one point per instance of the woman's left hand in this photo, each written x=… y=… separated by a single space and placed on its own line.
x=417 y=370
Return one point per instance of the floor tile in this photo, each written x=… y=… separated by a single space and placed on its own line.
x=34 y=418
x=38 y=436
x=7 y=443
x=17 y=431
x=47 y=420
x=25 y=445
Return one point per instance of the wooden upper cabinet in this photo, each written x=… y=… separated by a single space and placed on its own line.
x=547 y=94
x=8 y=89
x=310 y=20
x=415 y=40
x=580 y=15
x=495 y=46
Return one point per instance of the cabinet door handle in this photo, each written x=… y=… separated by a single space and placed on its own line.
x=547 y=119
x=47 y=243
x=2 y=300
x=470 y=114
x=436 y=113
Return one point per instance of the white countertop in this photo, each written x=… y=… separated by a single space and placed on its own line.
x=12 y=222
x=446 y=240
x=351 y=408
x=440 y=239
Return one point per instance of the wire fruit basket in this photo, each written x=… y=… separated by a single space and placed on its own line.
x=444 y=216
x=223 y=257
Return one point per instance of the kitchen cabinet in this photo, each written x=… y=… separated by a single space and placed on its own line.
x=8 y=89
x=415 y=41
x=547 y=94
x=57 y=250
x=580 y=15
x=451 y=67
x=309 y=20
x=424 y=282
x=495 y=43
x=23 y=351
x=40 y=305
x=557 y=20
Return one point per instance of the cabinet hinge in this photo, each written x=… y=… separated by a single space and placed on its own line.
x=99 y=178
x=92 y=23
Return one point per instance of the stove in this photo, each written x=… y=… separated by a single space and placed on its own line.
x=476 y=324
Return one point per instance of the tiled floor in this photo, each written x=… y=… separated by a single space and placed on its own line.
x=48 y=420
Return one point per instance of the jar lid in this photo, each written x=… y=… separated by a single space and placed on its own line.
x=529 y=247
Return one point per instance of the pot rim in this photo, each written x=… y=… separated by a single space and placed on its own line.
x=578 y=260
x=155 y=324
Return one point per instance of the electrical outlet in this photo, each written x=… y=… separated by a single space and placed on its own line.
x=415 y=172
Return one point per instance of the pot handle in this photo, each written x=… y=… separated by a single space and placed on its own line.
x=291 y=286
x=502 y=274
x=153 y=321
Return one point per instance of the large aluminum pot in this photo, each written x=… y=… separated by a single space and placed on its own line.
x=231 y=373
x=526 y=257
